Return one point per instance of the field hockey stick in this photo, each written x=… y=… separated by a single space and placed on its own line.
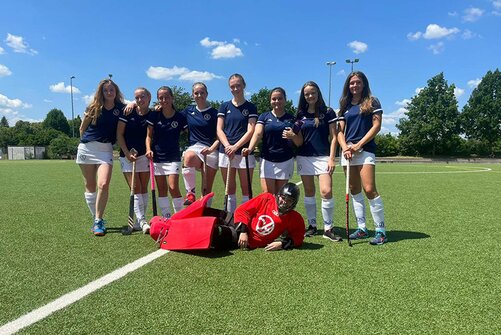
x=348 y=202
x=204 y=177
x=248 y=175
x=130 y=220
x=153 y=195
x=227 y=183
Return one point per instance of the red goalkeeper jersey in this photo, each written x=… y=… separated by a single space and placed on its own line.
x=260 y=214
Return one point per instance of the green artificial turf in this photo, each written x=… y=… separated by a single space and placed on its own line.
x=439 y=273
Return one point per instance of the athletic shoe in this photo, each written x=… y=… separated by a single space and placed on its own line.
x=331 y=235
x=146 y=228
x=98 y=228
x=189 y=199
x=359 y=234
x=310 y=231
x=137 y=226
x=379 y=239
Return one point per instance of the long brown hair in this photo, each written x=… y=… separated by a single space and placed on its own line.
x=319 y=105
x=365 y=99
x=94 y=109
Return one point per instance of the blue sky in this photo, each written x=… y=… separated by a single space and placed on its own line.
x=400 y=45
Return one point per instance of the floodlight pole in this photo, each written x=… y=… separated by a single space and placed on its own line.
x=329 y=64
x=72 y=110
x=110 y=75
x=356 y=60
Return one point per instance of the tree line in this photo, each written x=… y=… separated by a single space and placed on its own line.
x=433 y=124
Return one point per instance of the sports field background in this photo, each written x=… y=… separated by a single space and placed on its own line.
x=439 y=274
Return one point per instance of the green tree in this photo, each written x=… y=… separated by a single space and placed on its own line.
x=262 y=101
x=23 y=134
x=387 y=145
x=481 y=116
x=4 y=122
x=62 y=147
x=432 y=125
x=75 y=126
x=55 y=119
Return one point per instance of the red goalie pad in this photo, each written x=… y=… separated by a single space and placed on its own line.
x=194 y=210
x=189 y=234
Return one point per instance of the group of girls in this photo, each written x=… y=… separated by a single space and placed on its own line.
x=225 y=139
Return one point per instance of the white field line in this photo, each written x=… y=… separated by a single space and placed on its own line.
x=439 y=172
x=69 y=298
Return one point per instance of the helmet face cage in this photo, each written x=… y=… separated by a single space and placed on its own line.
x=287 y=198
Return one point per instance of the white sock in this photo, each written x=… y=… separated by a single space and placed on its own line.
x=90 y=199
x=359 y=209
x=232 y=203
x=377 y=211
x=190 y=179
x=138 y=206
x=178 y=204
x=327 y=212
x=145 y=202
x=310 y=205
x=245 y=198
x=164 y=204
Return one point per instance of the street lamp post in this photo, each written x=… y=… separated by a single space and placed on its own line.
x=352 y=61
x=72 y=111
x=330 y=79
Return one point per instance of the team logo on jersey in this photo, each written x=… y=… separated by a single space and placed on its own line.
x=174 y=124
x=116 y=112
x=245 y=112
x=207 y=117
x=321 y=116
x=265 y=225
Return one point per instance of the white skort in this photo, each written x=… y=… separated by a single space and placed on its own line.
x=238 y=161
x=312 y=165
x=142 y=164
x=360 y=158
x=165 y=169
x=276 y=170
x=212 y=158
x=95 y=153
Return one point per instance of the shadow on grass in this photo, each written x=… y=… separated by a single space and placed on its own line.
x=310 y=246
x=208 y=253
x=393 y=236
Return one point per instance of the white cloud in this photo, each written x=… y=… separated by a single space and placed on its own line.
x=403 y=103
x=60 y=88
x=474 y=82
x=88 y=98
x=358 y=47
x=2 y=51
x=12 y=103
x=433 y=31
x=454 y=13
x=4 y=71
x=47 y=100
x=496 y=4
x=18 y=44
x=437 y=48
x=179 y=73
x=341 y=73
x=222 y=49
x=418 y=90
x=472 y=14
x=468 y=34
x=458 y=92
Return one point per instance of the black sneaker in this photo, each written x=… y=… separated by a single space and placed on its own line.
x=331 y=235
x=312 y=230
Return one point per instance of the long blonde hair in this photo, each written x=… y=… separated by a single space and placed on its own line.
x=93 y=111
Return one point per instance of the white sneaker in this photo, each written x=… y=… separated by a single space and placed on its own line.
x=145 y=226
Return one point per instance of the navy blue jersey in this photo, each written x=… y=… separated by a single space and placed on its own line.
x=166 y=133
x=358 y=124
x=105 y=129
x=236 y=120
x=135 y=131
x=275 y=148
x=201 y=125
x=316 y=139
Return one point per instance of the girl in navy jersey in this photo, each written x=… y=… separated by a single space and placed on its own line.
x=131 y=133
x=162 y=145
x=235 y=126
x=360 y=117
x=95 y=152
x=316 y=157
x=276 y=129
x=201 y=120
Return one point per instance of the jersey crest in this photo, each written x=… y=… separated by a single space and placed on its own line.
x=265 y=225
